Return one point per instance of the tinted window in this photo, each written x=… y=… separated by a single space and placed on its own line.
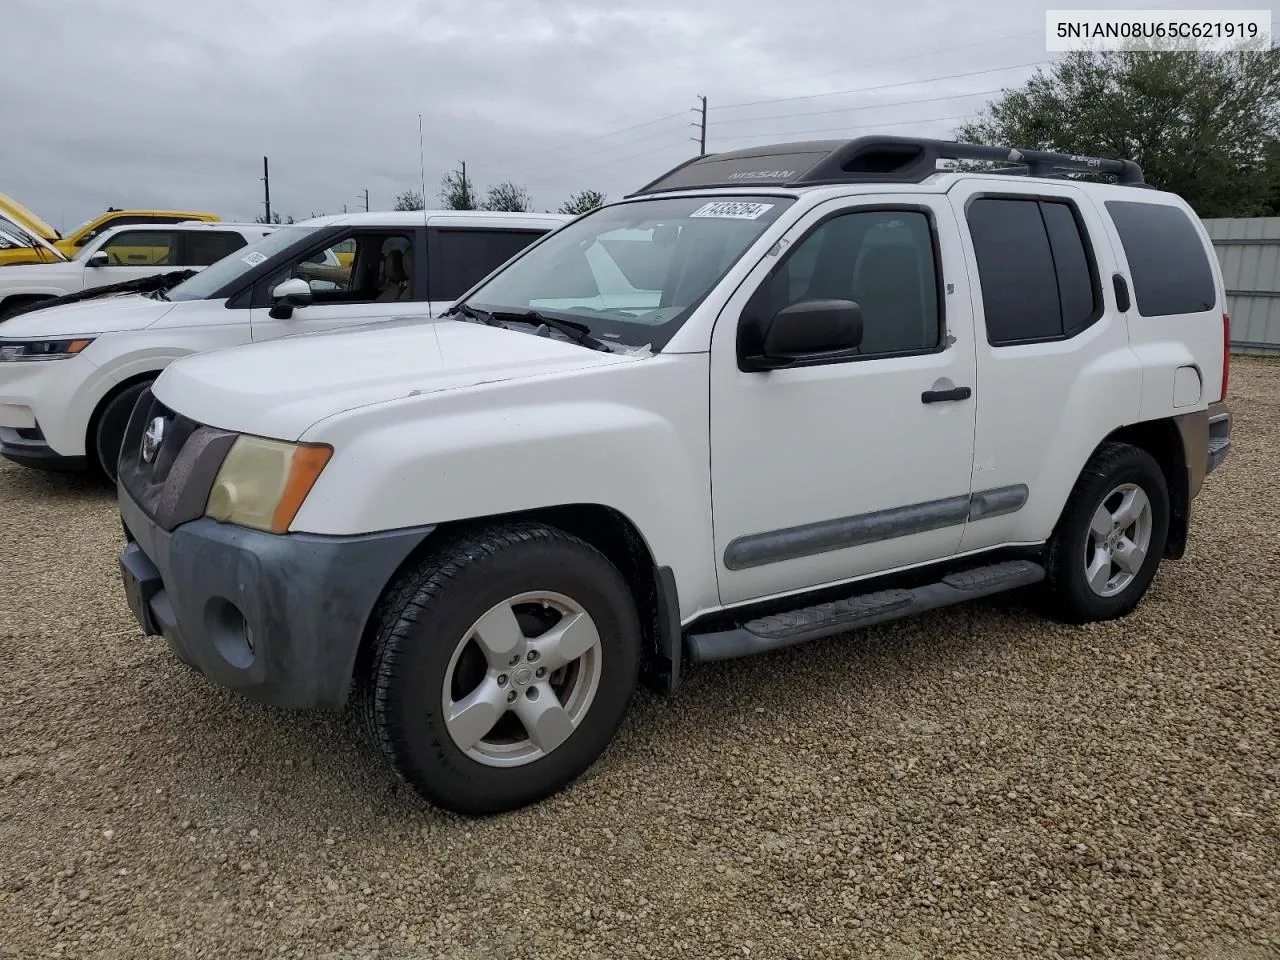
x=1169 y=267
x=1077 y=293
x=1034 y=268
x=883 y=260
x=206 y=248
x=142 y=248
x=459 y=259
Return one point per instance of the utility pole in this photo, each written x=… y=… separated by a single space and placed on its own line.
x=266 y=190
x=466 y=193
x=366 y=199
x=701 y=109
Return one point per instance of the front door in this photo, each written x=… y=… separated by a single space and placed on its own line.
x=380 y=279
x=828 y=471
x=133 y=254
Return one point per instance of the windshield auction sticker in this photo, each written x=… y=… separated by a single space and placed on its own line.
x=732 y=210
x=253 y=259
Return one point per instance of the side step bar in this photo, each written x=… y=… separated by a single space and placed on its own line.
x=860 y=610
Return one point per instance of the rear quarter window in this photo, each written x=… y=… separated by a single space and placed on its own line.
x=1167 y=260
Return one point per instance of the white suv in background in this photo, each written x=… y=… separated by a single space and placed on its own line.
x=120 y=254
x=69 y=375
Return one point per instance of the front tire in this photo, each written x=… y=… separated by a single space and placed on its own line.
x=502 y=668
x=1109 y=541
x=109 y=427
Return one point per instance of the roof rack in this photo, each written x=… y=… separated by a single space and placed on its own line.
x=874 y=159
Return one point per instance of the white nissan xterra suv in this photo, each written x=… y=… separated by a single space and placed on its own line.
x=776 y=394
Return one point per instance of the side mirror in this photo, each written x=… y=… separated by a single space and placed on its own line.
x=808 y=330
x=288 y=295
x=98 y=258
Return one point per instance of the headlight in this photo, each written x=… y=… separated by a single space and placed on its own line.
x=42 y=349
x=262 y=483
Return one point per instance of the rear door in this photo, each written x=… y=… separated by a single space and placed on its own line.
x=203 y=247
x=460 y=257
x=1055 y=371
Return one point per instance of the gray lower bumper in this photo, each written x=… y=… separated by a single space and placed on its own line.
x=277 y=618
x=1219 y=435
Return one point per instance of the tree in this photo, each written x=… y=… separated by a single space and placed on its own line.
x=508 y=197
x=1199 y=124
x=457 y=192
x=262 y=218
x=582 y=201
x=410 y=200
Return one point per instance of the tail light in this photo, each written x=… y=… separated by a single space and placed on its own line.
x=1226 y=354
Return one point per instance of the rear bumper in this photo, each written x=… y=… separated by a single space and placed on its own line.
x=28 y=448
x=1219 y=436
x=278 y=618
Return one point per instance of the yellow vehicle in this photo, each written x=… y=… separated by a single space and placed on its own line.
x=73 y=241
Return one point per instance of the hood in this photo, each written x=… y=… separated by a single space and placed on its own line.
x=280 y=388
x=86 y=318
x=16 y=233
x=11 y=209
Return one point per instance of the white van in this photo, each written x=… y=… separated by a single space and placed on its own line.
x=70 y=374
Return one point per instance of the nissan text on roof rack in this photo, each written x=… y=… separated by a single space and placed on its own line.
x=775 y=395
x=68 y=410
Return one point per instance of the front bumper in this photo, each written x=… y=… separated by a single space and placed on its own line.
x=278 y=618
x=28 y=447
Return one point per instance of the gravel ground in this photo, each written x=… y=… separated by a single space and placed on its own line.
x=974 y=783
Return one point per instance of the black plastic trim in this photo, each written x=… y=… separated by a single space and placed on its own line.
x=855 y=610
x=670 y=641
x=824 y=536
x=37 y=453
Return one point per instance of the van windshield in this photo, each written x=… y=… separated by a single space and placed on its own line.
x=633 y=272
x=230 y=268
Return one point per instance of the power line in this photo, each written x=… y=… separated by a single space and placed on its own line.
x=868 y=126
x=912 y=56
x=602 y=136
x=626 y=143
x=867 y=106
x=885 y=86
x=594 y=166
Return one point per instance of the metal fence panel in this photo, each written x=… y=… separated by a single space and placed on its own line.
x=1249 y=251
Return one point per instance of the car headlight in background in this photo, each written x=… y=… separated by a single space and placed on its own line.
x=42 y=349
x=262 y=483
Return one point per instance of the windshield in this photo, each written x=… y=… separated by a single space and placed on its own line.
x=13 y=236
x=217 y=275
x=633 y=272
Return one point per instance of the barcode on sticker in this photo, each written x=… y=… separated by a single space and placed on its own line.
x=732 y=209
x=253 y=259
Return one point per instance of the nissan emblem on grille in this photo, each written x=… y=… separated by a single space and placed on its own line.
x=152 y=438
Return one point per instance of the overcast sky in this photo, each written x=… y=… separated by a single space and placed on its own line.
x=147 y=104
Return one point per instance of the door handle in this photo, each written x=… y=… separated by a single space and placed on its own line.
x=943 y=396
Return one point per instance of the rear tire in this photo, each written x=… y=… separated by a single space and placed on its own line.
x=1111 y=536
x=501 y=667
x=109 y=427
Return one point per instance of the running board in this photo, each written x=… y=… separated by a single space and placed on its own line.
x=860 y=610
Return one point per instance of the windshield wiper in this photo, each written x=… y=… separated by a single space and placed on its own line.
x=471 y=313
x=577 y=332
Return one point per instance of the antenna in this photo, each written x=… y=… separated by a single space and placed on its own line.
x=426 y=234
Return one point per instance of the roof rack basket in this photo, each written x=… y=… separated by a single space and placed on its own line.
x=873 y=159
